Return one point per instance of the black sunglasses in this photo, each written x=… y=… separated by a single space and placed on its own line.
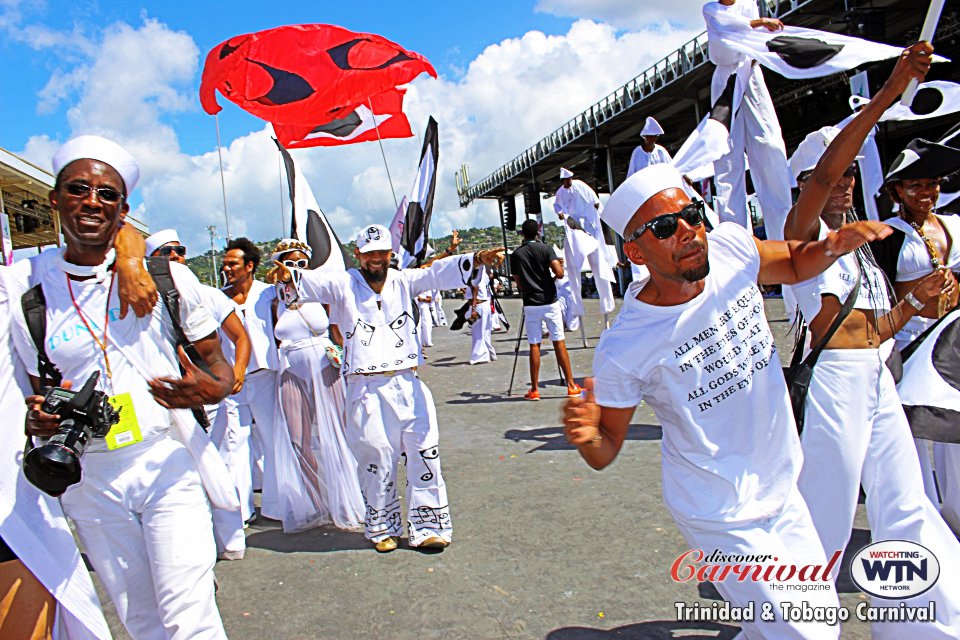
x=180 y=250
x=662 y=227
x=105 y=194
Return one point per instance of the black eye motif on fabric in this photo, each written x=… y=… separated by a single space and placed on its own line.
x=927 y=100
x=287 y=87
x=318 y=237
x=366 y=335
x=428 y=455
x=399 y=323
x=803 y=53
x=341 y=127
x=362 y=54
x=946 y=355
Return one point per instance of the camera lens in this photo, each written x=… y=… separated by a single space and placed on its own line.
x=55 y=465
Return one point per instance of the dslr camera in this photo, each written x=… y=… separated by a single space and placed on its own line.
x=54 y=466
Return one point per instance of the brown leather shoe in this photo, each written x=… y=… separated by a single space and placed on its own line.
x=433 y=542
x=386 y=545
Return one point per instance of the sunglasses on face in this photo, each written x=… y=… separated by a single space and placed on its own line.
x=105 y=194
x=662 y=227
x=168 y=251
x=298 y=264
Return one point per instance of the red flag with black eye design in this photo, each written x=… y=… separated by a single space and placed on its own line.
x=379 y=117
x=305 y=74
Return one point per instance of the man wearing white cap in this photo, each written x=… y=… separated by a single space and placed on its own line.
x=481 y=330
x=649 y=152
x=755 y=129
x=139 y=507
x=235 y=344
x=390 y=412
x=855 y=431
x=578 y=201
x=730 y=449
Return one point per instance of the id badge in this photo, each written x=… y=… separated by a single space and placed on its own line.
x=127 y=431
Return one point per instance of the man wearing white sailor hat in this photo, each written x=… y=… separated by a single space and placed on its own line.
x=692 y=342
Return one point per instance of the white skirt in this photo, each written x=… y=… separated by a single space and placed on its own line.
x=316 y=470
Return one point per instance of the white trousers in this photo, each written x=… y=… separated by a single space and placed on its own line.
x=389 y=418
x=855 y=432
x=426 y=324
x=946 y=459
x=481 y=335
x=756 y=132
x=792 y=539
x=259 y=408
x=233 y=441
x=604 y=286
x=228 y=525
x=144 y=521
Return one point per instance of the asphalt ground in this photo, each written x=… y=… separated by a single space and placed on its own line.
x=544 y=547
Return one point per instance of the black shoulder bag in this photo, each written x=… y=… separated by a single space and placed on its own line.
x=800 y=372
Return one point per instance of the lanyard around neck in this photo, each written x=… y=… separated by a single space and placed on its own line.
x=106 y=321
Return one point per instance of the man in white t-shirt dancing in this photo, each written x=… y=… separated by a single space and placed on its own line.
x=730 y=449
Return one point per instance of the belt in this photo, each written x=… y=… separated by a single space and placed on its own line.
x=386 y=374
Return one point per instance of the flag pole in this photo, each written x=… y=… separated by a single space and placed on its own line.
x=223 y=182
x=280 y=176
x=926 y=35
x=376 y=127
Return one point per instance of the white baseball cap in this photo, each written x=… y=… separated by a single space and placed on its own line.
x=376 y=237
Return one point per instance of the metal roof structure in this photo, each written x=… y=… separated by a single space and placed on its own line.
x=24 y=188
x=597 y=143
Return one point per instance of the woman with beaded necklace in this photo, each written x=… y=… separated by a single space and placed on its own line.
x=317 y=477
x=924 y=241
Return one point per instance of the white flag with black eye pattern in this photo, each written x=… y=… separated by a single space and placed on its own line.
x=930 y=386
x=799 y=53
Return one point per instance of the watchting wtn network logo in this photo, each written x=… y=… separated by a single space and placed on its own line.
x=894 y=569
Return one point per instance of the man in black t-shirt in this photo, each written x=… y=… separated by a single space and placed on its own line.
x=535 y=269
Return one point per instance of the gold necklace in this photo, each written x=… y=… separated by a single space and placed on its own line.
x=935 y=261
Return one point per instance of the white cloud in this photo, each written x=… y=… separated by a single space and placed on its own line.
x=511 y=95
x=628 y=14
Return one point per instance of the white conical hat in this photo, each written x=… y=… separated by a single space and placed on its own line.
x=652 y=127
x=565 y=173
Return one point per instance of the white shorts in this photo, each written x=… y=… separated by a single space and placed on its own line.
x=536 y=316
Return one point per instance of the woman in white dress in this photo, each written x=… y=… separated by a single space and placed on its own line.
x=317 y=475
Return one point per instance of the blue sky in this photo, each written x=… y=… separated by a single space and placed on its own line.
x=510 y=72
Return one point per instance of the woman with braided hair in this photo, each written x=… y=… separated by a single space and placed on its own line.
x=855 y=431
x=318 y=473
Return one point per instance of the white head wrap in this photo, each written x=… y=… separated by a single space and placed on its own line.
x=97 y=148
x=161 y=238
x=651 y=127
x=565 y=173
x=636 y=190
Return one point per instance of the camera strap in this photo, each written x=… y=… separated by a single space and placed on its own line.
x=34 y=306
x=159 y=269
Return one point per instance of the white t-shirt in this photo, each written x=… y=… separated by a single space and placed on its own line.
x=219 y=306
x=718 y=18
x=914 y=262
x=838 y=280
x=709 y=369
x=147 y=341
x=378 y=329
x=640 y=159
x=257 y=315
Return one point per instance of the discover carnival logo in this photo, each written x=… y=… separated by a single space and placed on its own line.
x=894 y=569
